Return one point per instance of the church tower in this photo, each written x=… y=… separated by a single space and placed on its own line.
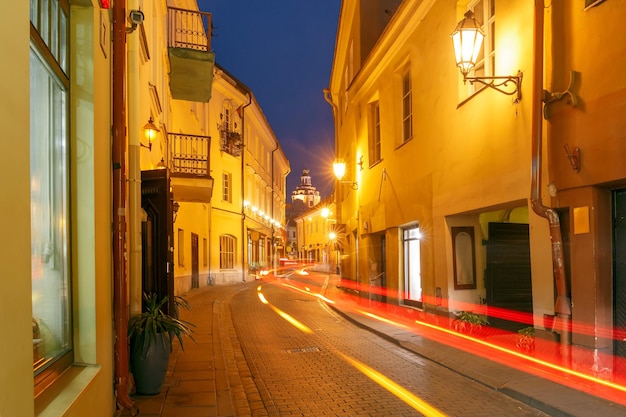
x=306 y=192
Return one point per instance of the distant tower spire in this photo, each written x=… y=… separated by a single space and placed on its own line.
x=306 y=192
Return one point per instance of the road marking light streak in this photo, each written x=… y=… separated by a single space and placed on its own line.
x=320 y=296
x=397 y=390
x=284 y=315
x=384 y=320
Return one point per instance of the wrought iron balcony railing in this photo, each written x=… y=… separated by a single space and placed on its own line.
x=189 y=155
x=189 y=29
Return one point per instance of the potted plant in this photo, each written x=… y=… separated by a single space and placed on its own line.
x=151 y=335
x=468 y=322
x=526 y=339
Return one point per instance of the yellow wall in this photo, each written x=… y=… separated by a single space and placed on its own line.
x=466 y=157
x=87 y=387
x=16 y=378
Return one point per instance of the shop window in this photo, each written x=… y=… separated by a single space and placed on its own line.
x=49 y=178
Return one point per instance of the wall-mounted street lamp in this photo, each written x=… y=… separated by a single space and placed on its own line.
x=468 y=38
x=339 y=168
x=149 y=131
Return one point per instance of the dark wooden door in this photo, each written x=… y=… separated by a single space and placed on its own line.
x=156 y=200
x=619 y=291
x=508 y=277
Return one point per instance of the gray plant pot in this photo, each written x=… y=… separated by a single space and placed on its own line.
x=149 y=366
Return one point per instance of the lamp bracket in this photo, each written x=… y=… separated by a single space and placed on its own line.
x=549 y=98
x=500 y=82
x=149 y=145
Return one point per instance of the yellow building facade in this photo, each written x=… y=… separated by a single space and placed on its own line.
x=96 y=211
x=452 y=187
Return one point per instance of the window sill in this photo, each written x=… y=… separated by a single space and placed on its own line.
x=58 y=398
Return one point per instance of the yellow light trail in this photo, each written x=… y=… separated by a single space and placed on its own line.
x=549 y=365
x=384 y=320
x=412 y=400
x=284 y=315
x=320 y=296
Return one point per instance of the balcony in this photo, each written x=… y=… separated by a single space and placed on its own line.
x=188 y=160
x=230 y=142
x=190 y=55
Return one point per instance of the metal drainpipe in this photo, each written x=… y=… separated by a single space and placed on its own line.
x=273 y=246
x=134 y=167
x=328 y=97
x=244 y=236
x=120 y=281
x=562 y=306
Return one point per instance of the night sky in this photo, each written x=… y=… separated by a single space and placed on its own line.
x=283 y=51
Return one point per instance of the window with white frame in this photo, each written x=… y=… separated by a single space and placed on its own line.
x=485 y=14
x=412 y=269
x=50 y=185
x=227 y=191
x=407 y=106
x=227 y=252
x=374 y=133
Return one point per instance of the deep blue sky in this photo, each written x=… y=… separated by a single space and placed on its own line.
x=283 y=51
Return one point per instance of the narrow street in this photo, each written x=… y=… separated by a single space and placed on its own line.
x=306 y=360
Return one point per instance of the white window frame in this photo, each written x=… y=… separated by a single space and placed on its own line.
x=227 y=251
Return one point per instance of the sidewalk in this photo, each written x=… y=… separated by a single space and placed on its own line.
x=212 y=378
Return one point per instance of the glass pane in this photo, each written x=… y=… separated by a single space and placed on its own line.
x=44 y=16
x=34 y=7
x=63 y=41
x=49 y=216
x=54 y=29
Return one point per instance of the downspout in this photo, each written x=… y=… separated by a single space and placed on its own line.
x=329 y=99
x=244 y=235
x=134 y=168
x=562 y=307
x=120 y=282
x=273 y=244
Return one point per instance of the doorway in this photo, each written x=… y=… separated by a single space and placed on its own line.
x=508 y=274
x=619 y=278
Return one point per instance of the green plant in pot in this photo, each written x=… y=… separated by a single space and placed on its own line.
x=526 y=339
x=468 y=322
x=151 y=335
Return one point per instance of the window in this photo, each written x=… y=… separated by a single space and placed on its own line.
x=374 y=134
x=407 y=107
x=50 y=198
x=181 y=247
x=227 y=192
x=485 y=13
x=227 y=252
x=412 y=270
